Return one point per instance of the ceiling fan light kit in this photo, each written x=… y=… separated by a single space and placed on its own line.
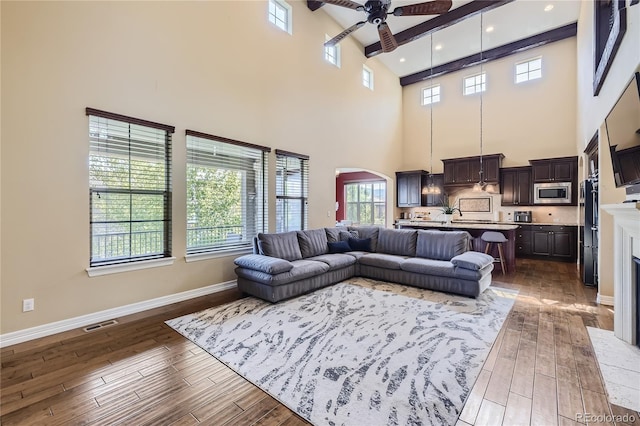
x=377 y=12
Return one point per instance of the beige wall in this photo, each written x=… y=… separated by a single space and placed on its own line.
x=591 y=114
x=216 y=67
x=530 y=120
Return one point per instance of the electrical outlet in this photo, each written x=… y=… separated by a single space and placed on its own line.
x=28 y=305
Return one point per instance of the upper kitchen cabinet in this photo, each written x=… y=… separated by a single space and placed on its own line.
x=515 y=185
x=563 y=169
x=409 y=188
x=466 y=171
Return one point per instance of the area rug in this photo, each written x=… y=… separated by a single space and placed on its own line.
x=360 y=352
x=620 y=367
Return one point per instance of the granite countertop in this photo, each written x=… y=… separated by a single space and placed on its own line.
x=475 y=224
x=458 y=225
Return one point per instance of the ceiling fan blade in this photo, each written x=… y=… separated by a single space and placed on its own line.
x=345 y=3
x=388 y=41
x=434 y=7
x=345 y=33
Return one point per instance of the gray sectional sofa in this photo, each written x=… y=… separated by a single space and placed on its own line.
x=289 y=264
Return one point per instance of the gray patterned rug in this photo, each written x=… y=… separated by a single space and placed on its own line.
x=361 y=352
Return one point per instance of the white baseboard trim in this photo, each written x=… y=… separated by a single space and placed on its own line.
x=604 y=300
x=44 y=330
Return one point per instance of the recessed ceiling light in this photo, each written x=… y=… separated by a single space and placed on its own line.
x=438 y=46
x=490 y=29
x=548 y=7
x=402 y=59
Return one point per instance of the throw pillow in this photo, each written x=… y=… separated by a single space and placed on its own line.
x=339 y=247
x=345 y=235
x=360 y=244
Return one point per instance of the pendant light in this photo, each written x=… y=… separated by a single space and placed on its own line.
x=479 y=186
x=431 y=187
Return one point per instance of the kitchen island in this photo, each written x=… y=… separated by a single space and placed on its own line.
x=475 y=228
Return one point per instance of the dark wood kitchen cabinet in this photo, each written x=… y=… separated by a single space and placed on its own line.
x=523 y=240
x=554 y=241
x=409 y=188
x=466 y=171
x=516 y=186
x=562 y=169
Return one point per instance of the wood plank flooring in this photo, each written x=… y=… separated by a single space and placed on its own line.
x=541 y=371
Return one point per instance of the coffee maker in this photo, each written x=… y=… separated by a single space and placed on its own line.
x=522 y=216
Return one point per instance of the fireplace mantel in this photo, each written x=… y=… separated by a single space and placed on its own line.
x=626 y=218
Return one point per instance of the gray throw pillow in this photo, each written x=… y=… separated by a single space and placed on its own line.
x=312 y=242
x=283 y=245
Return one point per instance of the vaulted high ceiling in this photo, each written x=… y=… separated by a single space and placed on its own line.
x=456 y=34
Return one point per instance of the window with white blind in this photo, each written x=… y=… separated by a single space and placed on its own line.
x=292 y=188
x=129 y=189
x=226 y=193
x=366 y=202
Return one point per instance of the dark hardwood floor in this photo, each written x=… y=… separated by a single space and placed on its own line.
x=541 y=371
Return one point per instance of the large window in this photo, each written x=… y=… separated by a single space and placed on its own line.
x=129 y=188
x=226 y=193
x=366 y=202
x=292 y=189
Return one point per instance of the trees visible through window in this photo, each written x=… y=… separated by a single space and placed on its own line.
x=292 y=189
x=129 y=188
x=226 y=193
x=475 y=84
x=529 y=70
x=366 y=202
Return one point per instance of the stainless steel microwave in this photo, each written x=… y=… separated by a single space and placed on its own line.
x=552 y=193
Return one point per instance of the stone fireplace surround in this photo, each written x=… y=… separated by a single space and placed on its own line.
x=626 y=246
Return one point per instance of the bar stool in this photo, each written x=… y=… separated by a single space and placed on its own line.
x=496 y=238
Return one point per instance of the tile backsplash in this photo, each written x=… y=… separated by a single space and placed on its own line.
x=498 y=213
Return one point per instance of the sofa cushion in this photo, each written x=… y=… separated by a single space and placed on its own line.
x=472 y=260
x=313 y=242
x=472 y=274
x=441 y=268
x=335 y=261
x=360 y=244
x=339 y=234
x=441 y=245
x=283 y=245
x=339 y=247
x=301 y=269
x=397 y=241
x=367 y=232
x=388 y=261
x=267 y=264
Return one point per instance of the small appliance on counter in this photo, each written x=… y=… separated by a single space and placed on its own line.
x=522 y=216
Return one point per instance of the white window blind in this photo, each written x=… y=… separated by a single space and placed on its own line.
x=292 y=189
x=226 y=193
x=129 y=188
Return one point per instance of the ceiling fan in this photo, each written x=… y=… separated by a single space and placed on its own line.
x=377 y=11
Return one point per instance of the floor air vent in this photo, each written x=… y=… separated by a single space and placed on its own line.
x=94 y=327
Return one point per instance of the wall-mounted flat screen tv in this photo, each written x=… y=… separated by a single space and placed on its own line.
x=623 y=132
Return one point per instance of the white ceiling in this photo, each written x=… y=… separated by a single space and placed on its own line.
x=513 y=21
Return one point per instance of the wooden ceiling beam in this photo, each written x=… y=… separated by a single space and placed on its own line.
x=496 y=53
x=435 y=24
